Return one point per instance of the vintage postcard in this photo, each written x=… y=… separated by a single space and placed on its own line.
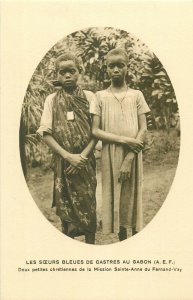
x=93 y=206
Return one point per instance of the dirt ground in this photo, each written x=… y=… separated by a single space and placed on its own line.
x=157 y=182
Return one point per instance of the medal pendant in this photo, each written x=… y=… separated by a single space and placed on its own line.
x=70 y=115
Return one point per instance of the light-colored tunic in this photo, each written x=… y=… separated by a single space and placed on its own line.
x=122 y=203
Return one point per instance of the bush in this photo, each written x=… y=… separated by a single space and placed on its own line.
x=165 y=147
x=91 y=46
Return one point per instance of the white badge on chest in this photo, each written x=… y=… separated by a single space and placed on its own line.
x=70 y=115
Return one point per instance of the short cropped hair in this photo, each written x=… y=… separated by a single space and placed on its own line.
x=66 y=57
x=118 y=51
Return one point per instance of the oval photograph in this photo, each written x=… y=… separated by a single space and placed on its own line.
x=99 y=135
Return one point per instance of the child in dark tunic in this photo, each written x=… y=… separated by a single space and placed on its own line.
x=66 y=128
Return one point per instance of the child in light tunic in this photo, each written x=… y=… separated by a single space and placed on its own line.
x=119 y=121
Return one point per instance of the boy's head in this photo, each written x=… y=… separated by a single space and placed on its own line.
x=117 y=61
x=67 y=67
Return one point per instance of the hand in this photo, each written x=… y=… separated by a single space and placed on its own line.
x=71 y=170
x=125 y=171
x=77 y=161
x=136 y=145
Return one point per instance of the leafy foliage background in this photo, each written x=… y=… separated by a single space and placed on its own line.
x=91 y=45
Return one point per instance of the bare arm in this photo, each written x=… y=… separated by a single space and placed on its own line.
x=84 y=154
x=141 y=133
x=127 y=163
x=113 y=138
x=91 y=145
x=142 y=127
x=74 y=159
x=103 y=135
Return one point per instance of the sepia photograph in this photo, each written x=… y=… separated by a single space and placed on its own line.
x=96 y=141
x=99 y=135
